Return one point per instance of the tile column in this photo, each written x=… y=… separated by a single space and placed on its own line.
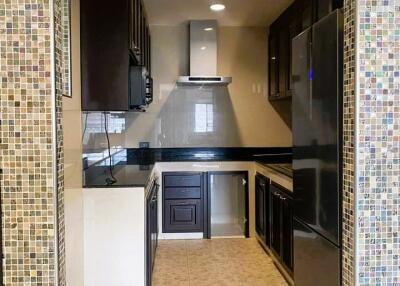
x=371 y=243
x=31 y=159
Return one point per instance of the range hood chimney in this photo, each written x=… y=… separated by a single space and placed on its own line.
x=203 y=55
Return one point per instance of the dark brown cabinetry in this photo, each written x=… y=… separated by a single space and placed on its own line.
x=151 y=231
x=135 y=29
x=113 y=38
x=282 y=226
x=263 y=208
x=274 y=219
x=182 y=202
x=298 y=17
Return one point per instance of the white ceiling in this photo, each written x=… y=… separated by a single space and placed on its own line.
x=237 y=13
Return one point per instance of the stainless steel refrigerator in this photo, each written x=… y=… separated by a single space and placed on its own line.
x=317 y=77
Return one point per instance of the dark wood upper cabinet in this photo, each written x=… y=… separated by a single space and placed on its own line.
x=298 y=17
x=135 y=32
x=283 y=61
x=104 y=55
x=113 y=37
x=324 y=7
x=273 y=68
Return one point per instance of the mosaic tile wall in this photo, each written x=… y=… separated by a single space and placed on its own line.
x=26 y=144
x=348 y=143
x=378 y=143
x=60 y=70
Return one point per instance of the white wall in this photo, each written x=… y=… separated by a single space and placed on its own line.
x=114 y=241
x=73 y=196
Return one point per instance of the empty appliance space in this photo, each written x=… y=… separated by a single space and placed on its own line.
x=228 y=204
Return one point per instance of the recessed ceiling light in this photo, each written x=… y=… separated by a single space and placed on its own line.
x=203 y=48
x=208 y=29
x=217 y=7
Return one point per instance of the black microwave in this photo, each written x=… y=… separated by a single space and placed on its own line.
x=140 y=88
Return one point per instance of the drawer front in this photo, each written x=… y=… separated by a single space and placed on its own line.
x=183 y=216
x=182 y=193
x=189 y=180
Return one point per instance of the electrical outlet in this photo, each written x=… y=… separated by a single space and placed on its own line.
x=144 y=144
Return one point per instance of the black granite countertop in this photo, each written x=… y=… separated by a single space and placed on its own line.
x=133 y=167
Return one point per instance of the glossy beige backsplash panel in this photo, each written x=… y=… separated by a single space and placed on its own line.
x=234 y=116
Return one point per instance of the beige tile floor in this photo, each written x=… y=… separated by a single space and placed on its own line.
x=217 y=262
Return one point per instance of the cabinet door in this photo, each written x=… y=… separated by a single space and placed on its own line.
x=260 y=206
x=325 y=7
x=306 y=14
x=135 y=29
x=273 y=66
x=294 y=29
x=142 y=36
x=283 y=61
x=183 y=216
x=104 y=55
x=276 y=221
x=148 y=51
x=287 y=232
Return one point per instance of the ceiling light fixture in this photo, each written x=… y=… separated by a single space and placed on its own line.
x=203 y=48
x=208 y=29
x=217 y=7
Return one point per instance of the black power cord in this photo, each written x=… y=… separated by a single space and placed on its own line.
x=112 y=180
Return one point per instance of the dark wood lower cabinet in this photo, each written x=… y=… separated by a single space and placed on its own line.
x=274 y=219
x=151 y=231
x=183 y=216
x=287 y=232
x=262 y=208
x=182 y=202
x=260 y=193
x=282 y=226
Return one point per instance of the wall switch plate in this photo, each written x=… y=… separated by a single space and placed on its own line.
x=144 y=144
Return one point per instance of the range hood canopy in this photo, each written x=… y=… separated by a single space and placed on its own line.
x=203 y=55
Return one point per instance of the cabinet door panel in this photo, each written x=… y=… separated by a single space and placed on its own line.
x=273 y=66
x=182 y=180
x=306 y=14
x=183 y=216
x=276 y=222
x=135 y=30
x=104 y=35
x=260 y=206
x=287 y=232
x=182 y=193
x=283 y=60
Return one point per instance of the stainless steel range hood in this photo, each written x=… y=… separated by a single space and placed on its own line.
x=203 y=55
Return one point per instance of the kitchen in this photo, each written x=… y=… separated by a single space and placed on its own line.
x=189 y=138
x=197 y=142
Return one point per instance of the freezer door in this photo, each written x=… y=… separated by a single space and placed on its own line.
x=317 y=124
x=316 y=260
